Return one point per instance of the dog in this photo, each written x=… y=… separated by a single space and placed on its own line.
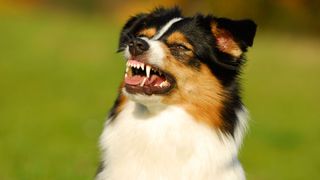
x=179 y=113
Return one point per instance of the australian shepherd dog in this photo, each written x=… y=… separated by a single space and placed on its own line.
x=179 y=113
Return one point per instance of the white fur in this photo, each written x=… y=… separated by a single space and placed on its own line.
x=126 y=53
x=155 y=54
x=165 y=28
x=241 y=126
x=167 y=144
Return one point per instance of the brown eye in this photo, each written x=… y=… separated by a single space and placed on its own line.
x=179 y=47
x=143 y=36
x=182 y=47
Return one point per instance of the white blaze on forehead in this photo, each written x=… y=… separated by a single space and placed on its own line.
x=155 y=53
x=166 y=27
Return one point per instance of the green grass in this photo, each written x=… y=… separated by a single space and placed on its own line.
x=59 y=76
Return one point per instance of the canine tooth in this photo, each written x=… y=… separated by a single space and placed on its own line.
x=126 y=75
x=142 y=67
x=127 y=69
x=142 y=83
x=148 y=68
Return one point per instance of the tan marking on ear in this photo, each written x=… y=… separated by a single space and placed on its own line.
x=198 y=91
x=225 y=41
x=179 y=38
x=149 y=32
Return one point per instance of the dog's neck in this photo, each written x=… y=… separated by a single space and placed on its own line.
x=167 y=143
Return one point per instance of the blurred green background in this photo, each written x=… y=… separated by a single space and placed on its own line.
x=59 y=75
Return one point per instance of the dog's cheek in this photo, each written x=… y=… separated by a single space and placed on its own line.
x=198 y=91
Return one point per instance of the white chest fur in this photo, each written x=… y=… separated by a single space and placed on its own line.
x=168 y=145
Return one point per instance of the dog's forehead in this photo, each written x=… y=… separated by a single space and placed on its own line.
x=159 y=24
x=161 y=31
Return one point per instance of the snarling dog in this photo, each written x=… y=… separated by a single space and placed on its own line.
x=179 y=113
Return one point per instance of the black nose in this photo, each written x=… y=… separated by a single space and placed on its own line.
x=137 y=46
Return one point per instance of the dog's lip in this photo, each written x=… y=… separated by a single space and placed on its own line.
x=144 y=78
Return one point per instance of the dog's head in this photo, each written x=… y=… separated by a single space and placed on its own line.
x=171 y=58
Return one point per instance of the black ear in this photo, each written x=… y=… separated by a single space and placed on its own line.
x=242 y=30
x=233 y=36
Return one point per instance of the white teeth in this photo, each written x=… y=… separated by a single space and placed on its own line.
x=148 y=68
x=164 y=84
x=142 y=83
x=143 y=67
x=137 y=66
x=126 y=75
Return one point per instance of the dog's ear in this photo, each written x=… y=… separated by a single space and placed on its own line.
x=233 y=36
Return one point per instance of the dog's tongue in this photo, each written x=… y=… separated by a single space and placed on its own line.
x=134 y=80
x=155 y=80
x=137 y=80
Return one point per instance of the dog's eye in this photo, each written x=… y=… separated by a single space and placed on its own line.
x=142 y=36
x=182 y=47
x=178 y=47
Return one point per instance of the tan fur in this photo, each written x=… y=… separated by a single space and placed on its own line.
x=122 y=99
x=149 y=32
x=179 y=38
x=199 y=92
x=225 y=41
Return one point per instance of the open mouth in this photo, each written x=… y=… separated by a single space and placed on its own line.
x=146 y=79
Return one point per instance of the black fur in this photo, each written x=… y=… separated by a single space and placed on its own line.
x=113 y=112
x=197 y=30
x=100 y=168
x=157 y=18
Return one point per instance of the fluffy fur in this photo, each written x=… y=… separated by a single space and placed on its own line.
x=191 y=123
